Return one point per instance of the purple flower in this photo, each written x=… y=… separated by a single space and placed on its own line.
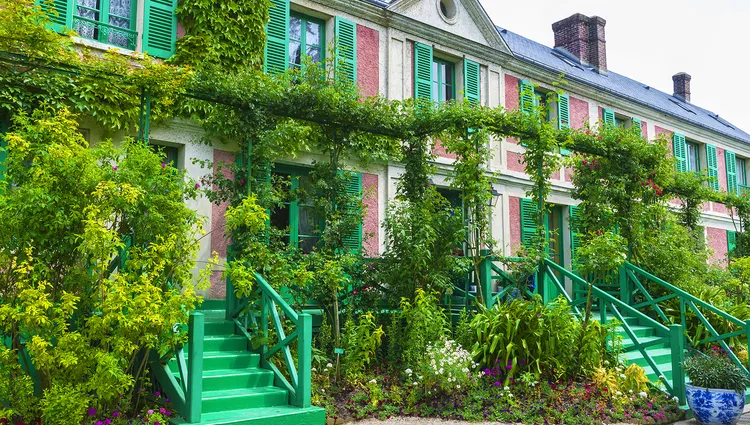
x=115 y=414
x=157 y=423
x=162 y=410
x=523 y=362
x=98 y=423
x=163 y=165
x=92 y=411
x=197 y=185
x=107 y=421
x=509 y=367
x=167 y=400
x=114 y=168
x=150 y=412
x=167 y=413
x=497 y=383
x=158 y=394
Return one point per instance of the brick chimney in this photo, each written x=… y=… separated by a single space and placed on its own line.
x=681 y=82
x=584 y=38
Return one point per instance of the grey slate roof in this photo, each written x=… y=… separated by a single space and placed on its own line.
x=619 y=85
x=556 y=61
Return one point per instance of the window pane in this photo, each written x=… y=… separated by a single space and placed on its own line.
x=435 y=72
x=295 y=55
x=314 y=53
x=121 y=8
x=280 y=217
x=692 y=157
x=307 y=222
x=87 y=29
x=295 y=28
x=447 y=93
x=307 y=244
x=313 y=34
x=447 y=74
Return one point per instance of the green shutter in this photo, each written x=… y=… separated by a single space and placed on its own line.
x=60 y=13
x=575 y=236
x=346 y=49
x=527 y=99
x=608 y=116
x=713 y=166
x=679 y=147
x=528 y=221
x=277 y=38
x=563 y=116
x=3 y=146
x=422 y=72
x=472 y=86
x=159 y=28
x=731 y=166
x=636 y=123
x=731 y=241
x=353 y=241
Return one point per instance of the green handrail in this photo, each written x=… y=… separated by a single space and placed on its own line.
x=687 y=301
x=298 y=379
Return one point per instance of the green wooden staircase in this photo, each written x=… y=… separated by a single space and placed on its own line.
x=218 y=379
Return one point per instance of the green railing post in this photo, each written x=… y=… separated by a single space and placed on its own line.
x=195 y=367
x=624 y=286
x=304 y=359
x=485 y=278
x=231 y=299
x=677 y=344
x=747 y=330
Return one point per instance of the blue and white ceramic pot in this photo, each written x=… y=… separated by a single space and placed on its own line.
x=713 y=406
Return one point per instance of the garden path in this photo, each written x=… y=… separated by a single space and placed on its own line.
x=434 y=421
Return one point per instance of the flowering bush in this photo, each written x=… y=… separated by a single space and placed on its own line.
x=446 y=366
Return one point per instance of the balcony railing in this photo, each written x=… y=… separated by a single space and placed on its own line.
x=105 y=33
x=743 y=190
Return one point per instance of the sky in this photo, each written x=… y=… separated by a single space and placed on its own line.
x=651 y=40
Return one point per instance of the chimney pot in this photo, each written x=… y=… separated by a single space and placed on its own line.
x=681 y=82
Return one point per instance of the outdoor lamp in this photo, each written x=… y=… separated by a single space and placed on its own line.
x=495 y=196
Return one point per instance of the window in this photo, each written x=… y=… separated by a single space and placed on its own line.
x=741 y=171
x=306 y=38
x=621 y=122
x=443 y=81
x=106 y=21
x=550 y=108
x=294 y=216
x=693 y=157
x=170 y=154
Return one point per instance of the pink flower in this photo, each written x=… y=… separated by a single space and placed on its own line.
x=150 y=412
x=197 y=185
x=163 y=165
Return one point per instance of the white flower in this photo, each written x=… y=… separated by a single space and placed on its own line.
x=325 y=370
x=675 y=399
x=322 y=390
x=510 y=395
x=414 y=383
x=506 y=389
x=329 y=365
x=618 y=393
x=630 y=391
x=458 y=387
x=643 y=394
x=314 y=370
x=372 y=381
x=408 y=371
x=622 y=375
x=606 y=362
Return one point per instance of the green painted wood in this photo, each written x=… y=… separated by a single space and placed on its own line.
x=608 y=117
x=277 y=38
x=353 y=241
x=730 y=161
x=346 y=50
x=60 y=13
x=423 y=72
x=677 y=344
x=679 y=149
x=159 y=28
x=304 y=362
x=527 y=99
x=276 y=415
x=712 y=165
x=472 y=85
x=195 y=367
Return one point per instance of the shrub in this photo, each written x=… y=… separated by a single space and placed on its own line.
x=715 y=371
x=425 y=322
x=446 y=366
x=64 y=404
x=362 y=341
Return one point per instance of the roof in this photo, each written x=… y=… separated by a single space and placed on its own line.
x=560 y=62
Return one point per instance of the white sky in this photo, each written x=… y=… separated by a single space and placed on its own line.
x=651 y=40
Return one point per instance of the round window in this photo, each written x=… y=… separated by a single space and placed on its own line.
x=447 y=10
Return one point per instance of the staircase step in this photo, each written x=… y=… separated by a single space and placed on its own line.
x=232 y=379
x=224 y=360
x=214 y=315
x=276 y=415
x=224 y=343
x=659 y=355
x=243 y=398
x=224 y=327
x=639 y=331
x=213 y=304
x=627 y=342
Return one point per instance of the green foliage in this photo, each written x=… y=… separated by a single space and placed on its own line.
x=525 y=336
x=64 y=404
x=445 y=367
x=462 y=333
x=715 y=371
x=362 y=341
x=601 y=254
x=84 y=323
x=228 y=36
x=424 y=323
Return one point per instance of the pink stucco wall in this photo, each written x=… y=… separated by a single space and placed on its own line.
x=368 y=60
x=514 y=205
x=515 y=162
x=722 y=164
x=644 y=129
x=371 y=225
x=219 y=241
x=511 y=97
x=439 y=150
x=717 y=241
x=568 y=174
x=719 y=208
x=579 y=113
